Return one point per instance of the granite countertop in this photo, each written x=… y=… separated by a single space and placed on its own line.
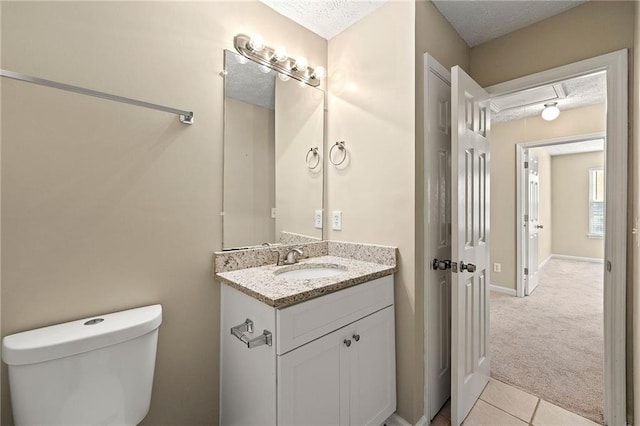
x=264 y=284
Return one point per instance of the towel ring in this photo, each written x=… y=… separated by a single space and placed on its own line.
x=309 y=161
x=340 y=146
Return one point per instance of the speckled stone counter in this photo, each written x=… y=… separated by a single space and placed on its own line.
x=254 y=272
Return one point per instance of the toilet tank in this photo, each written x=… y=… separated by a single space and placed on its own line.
x=93 y=371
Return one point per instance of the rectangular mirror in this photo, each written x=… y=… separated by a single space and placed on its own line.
x=273 y=156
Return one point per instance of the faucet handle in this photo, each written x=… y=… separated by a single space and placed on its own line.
x=279 y=260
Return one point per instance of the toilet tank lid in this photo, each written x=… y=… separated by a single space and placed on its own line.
x=87 y=334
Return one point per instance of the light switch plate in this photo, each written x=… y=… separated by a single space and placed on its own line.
x=318 y=219
x=497 y=267
x=336 y=220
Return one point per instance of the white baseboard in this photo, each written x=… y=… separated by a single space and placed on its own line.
x=423 y=421
x=577 y=258
x=396 y=420
x=503 y=290
x=544 y=262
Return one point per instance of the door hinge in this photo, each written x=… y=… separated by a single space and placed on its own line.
x=526 y=164
x=526 y=271
x=526 y=218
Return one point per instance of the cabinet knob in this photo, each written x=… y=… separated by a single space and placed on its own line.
x=347 y=342
x=356 y=337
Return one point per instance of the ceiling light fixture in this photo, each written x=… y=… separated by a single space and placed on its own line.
x=254 y=48
x=550 y=111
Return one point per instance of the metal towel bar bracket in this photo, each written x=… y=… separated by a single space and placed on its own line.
x=247 y=327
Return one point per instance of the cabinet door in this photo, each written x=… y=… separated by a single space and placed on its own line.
x=372 y=365
x=313 y=386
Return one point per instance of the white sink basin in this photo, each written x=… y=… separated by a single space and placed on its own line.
x=308 y=272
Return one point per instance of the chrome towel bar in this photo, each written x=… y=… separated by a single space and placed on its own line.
x=186 y=117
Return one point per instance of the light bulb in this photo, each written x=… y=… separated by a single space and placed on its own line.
x=301 y=64
x=550 y=111
x=241 y=59
x=319 y=73
x=265 y=69
x=279 y=54
x=283 y=77
x=256 y=43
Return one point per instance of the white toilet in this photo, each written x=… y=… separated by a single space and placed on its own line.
x=94 y=371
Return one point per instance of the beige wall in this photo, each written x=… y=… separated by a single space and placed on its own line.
x=504 y=138
x=570 y=205
x=591 y=29
x=433 y=35
x=107 y=206
x=249 y=175
x=372 y=108
x=299 y=127
x=544 y=207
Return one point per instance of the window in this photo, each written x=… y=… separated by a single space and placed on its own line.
x=596 y=202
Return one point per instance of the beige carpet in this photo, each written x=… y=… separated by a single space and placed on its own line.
x=551 y=344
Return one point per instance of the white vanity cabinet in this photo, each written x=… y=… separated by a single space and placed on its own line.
x=332 y=359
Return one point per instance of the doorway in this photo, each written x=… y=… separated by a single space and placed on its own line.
x=615 y=66
x=551 y=338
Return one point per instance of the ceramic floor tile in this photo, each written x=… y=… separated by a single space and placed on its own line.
x=440 y=420
x=484 y=414
x=548 y=414
x=510 y=399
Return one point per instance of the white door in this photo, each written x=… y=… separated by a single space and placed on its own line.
x=470 y=243
x=438 y=235
x=532 y=223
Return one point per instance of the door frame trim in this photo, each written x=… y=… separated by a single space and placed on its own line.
x=430 y=64
x=520 y=190
x=616 y=148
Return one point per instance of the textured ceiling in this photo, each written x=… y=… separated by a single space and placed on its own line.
x=478 y=21
x=575 y=148
x=580 y=92
x=245 y=82
x=327 y=18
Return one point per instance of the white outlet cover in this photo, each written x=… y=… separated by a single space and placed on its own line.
x=336 y=220
x=318 y=219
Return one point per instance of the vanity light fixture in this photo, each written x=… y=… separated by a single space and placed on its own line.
x=279 y=54
x=265 y=69
x=550 y=111
x=301 y=64
x=254 y=48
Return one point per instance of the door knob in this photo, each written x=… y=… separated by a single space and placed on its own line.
x=539 y=226
x=356 y=337
x=347 y=342
x=441 y=264
x=467 y=266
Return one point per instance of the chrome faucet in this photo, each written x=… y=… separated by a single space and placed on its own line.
x=291 y=258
